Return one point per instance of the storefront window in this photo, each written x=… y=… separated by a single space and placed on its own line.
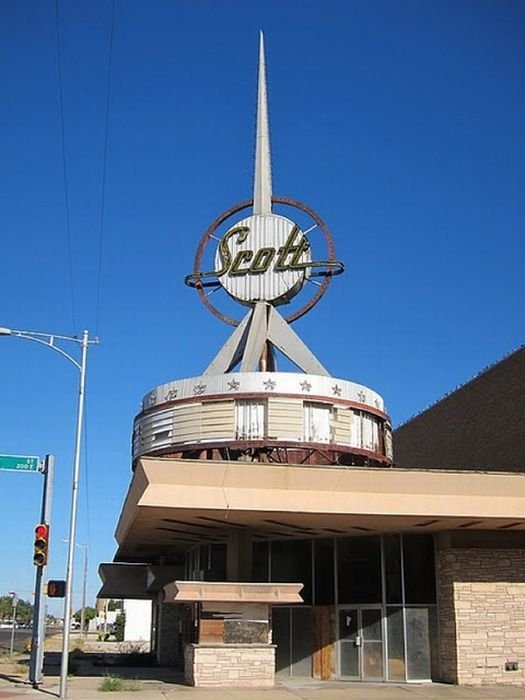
x=386 y=615
x=359 y=569
x=291 y=561
x=216 y=563
x=392 y=555
x=324 y=572
x=396 y=643
x=260 y=561
x=418 y=567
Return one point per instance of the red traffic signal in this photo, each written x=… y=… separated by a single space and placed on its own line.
x=41 y=544
x=56 y=589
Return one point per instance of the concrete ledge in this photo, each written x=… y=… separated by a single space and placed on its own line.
x=223 y=592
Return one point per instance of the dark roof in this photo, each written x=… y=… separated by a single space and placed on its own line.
x=478 y=426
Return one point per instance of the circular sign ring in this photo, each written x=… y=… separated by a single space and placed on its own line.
x=234 y=210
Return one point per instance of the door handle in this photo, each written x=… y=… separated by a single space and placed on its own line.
x=358 y=641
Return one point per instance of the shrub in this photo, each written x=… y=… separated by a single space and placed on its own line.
x=111 y=684
x=120 y=623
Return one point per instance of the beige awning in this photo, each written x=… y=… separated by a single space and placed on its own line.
x=174 y=504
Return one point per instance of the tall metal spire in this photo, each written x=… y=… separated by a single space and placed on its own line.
x=262 y=183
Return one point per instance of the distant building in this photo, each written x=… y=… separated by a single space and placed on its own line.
x=247 y=483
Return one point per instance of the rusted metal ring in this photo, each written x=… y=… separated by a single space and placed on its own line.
x=234 y=210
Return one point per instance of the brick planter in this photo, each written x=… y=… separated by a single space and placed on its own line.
x=239 y=665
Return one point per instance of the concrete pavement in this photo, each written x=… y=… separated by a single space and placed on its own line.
x=142 y=683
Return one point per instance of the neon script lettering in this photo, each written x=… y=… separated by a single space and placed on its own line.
x=287 y=257
x=250 y=262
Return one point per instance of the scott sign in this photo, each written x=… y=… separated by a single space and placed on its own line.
x=261 y=258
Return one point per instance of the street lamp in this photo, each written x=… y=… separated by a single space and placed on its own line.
x=50 y=340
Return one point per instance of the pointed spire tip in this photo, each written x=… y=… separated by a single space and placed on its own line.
x=262 y=190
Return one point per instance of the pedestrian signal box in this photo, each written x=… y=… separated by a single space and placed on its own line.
x=56 y=589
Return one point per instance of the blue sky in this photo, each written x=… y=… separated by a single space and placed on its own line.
x=400 y=122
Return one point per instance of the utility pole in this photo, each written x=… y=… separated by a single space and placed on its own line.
x=84 y=586
x=85 y=547
x=14 y=601
x=36 y=660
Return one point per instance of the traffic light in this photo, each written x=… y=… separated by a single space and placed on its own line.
x=56 y=589
x=41 y=544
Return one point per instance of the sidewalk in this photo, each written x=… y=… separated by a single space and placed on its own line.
x=144 y=683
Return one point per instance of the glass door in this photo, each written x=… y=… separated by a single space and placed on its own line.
x=372 y=644
x=349 y=643
x=361 y=643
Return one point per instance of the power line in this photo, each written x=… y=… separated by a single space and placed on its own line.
x=64 y=168
x=104 y=164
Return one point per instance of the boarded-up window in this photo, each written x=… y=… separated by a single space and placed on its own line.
x=317 y=422
x=343 y=426
x=217 y=419
x=357 y=429
x=187 y=422
x=285 y=419
x=250 y=420
x=365 y=431
x=368 y=432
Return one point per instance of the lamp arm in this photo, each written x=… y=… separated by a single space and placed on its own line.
x=49 y=344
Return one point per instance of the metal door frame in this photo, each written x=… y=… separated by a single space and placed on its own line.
x=360 y=607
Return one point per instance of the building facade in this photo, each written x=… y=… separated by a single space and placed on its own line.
x=259 y=483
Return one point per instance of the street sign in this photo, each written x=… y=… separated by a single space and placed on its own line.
x=17 y=463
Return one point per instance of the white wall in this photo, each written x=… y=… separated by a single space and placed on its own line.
x=138 y=620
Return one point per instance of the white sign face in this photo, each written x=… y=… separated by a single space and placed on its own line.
x=265 y=257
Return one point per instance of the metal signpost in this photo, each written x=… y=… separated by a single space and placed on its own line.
x=36 y=660
x=23 y=463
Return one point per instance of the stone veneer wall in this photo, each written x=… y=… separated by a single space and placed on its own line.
x=169 y=643
x=482 y=615
x=239 y=665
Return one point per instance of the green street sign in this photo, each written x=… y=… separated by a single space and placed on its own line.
x=17 y=463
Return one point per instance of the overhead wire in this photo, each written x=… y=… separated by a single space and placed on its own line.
x=68 y=218
x=64 y=169
x=104 y=170
x=98 y=302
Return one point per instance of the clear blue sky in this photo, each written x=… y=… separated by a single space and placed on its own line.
x=399 y=121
